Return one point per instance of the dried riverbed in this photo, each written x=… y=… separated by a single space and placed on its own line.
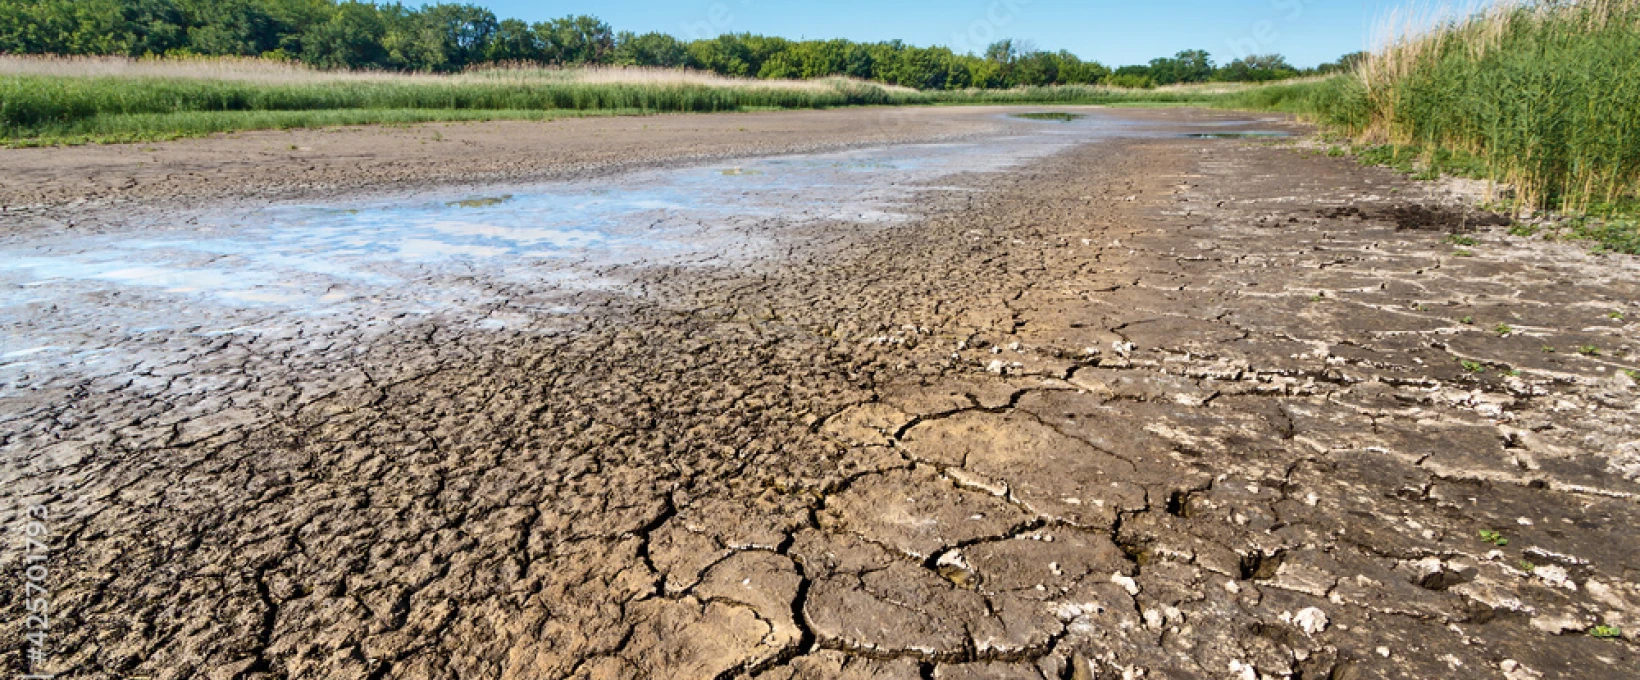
x=1096 y=402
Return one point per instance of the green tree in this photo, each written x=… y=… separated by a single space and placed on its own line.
x=449 y=37
x=649 y=49
x=1131 y=77
x=985 y=74
x=230 y=27
x=930 y=68
x=816 y=59
x=1346 y=63
x=1074 y=71
x=1195 y=66
x=1003 y=52
x=1008 y=56
x=576 y=40
x=129 y=27
x=781 y=66
x=1037 y=69
x=1189 y=66
x=1257 y=68
x=152 y=27
x=514 y=40
x=455 y=36
x=857 y=60
x=292 y=19
x=58 y=26
x=730 y=55
x=351 y=38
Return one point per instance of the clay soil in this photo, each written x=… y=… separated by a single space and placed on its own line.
x=1158 y=407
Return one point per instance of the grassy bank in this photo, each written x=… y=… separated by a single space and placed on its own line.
x=149 y=127
x=1544 y=96
x=37 y=109
x=58 y=101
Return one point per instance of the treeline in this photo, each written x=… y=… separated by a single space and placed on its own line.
x=1197 y=66
x=453 y=37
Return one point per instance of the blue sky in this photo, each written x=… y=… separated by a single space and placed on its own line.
x=1113 y=32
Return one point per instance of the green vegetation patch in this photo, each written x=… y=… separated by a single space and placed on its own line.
x=486 y=202
x=146 y=127
x=48 y=110
x=1539 y=94
x=1614 y=235
x=1054 y=116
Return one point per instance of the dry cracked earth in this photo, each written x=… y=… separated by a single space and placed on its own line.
x=1148 y=408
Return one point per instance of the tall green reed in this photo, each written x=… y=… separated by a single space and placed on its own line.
x=1545 y=93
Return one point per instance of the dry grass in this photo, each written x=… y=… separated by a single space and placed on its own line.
x=1218 y=88
x=243 y=69
x=48 y=100
x=272 y=72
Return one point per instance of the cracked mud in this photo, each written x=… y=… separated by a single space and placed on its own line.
x=1148 y=406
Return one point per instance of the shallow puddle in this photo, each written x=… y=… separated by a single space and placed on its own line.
x=465 y=255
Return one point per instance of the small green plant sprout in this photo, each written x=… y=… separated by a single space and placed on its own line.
x=1474 y=367
x=1523 y=229
x=1632 y=374
x=1615 y=316
x=1527 y=567
x=1467 y=321
x=1462 y=253
x=1494 y=538
x=1606 y=632
x=1504 y=329
x=1316 y=298
x=1548 y=349
x=1516 y=373
x=1461 y=240
x=1589 y=351
x=1335 y=152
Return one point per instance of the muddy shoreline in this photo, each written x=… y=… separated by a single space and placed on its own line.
x=1149 y=407
x=98 y=185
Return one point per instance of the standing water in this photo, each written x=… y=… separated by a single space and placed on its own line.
x=71 y=300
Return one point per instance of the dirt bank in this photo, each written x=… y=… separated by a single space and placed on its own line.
x=1157 y=407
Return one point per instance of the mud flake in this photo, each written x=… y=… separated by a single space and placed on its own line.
x=1053 y=475
x=691 y=639
x=919 y=513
